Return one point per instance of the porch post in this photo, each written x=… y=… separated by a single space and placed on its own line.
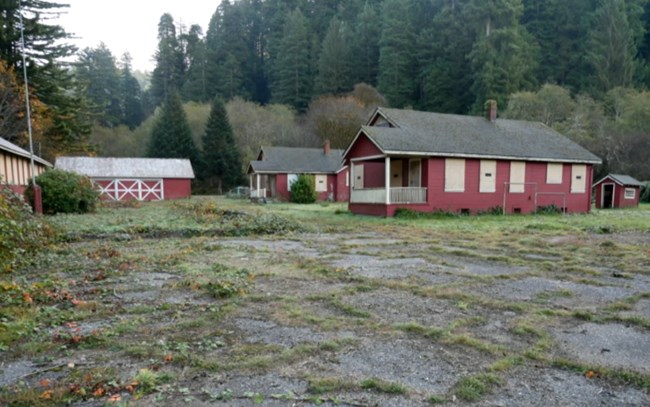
x=351 y=180
x=250 y=181
x=258 y=184
x=387 y=176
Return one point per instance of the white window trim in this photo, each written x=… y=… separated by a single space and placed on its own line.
x=631 y=192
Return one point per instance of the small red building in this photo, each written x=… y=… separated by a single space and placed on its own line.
x=443 y=162
x=142 y=179
x=15 y=166
x=617 y=191
x=276 y=168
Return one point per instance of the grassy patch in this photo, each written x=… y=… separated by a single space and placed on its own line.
x=383 y=386
x=472 y=388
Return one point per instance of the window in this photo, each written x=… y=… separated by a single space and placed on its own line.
x=517 y=177
x=454 y=175
x=291 y=178
x=415 y=171
x=630 y=193
x=554 y=173
x=321 y=183
x=578 y=178
x=488 y=178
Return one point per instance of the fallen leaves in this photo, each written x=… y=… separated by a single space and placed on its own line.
x=590 y=374
x=169 y=357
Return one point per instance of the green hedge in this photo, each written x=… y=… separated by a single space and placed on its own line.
x=65 y=192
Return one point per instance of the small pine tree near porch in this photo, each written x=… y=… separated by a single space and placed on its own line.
x=303 y=190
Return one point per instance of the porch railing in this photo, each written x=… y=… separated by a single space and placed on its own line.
x=258 y=193
x=401 y=195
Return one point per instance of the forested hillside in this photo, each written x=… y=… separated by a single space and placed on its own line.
x=580 y=66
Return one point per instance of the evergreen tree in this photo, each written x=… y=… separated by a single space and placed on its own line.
x=612 y=48
x=195 y=87
x=366 y=46
x=445 y=75
x=171 y=136
x=45 y=47
x=503 y=55
x=334 y=65
x=96 y=70
x=397 y=64
x=131 y=98
x=221 y=166
x=169 y=72
x=292 y=83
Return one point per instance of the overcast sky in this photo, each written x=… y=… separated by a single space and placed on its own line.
x=130 y=25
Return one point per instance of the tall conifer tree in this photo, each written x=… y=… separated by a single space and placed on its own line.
x=171 y=136
x=221 y=166
x=334 y=64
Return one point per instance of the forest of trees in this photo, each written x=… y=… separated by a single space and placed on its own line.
x=296 y=72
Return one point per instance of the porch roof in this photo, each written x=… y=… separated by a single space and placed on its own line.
x=438 y=134
x=297 y=160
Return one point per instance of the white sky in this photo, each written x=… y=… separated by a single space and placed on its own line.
x=130 y=25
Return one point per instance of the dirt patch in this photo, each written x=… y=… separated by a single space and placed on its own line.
x=610 y=345
x=399 y=268
x=264 y=331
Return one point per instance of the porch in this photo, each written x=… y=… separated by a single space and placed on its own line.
x=388 y=180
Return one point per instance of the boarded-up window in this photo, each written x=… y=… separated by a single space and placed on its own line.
x=321 y=183
x=291 y=178
x=578 y=178
x=554 y=173
x=488 y=179
x=454 y=175
x=415 y=172
x=517 y=177
x=630 y=193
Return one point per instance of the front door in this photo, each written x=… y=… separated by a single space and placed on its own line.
x=415 y=171
x=608 y=195
x=396 y=173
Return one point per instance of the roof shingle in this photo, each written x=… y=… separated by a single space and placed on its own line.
x=298 y=160
x=106 y=167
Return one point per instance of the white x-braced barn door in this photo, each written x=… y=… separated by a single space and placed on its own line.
x=129 y=189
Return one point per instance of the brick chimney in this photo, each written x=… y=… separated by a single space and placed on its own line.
x=326 y=147
x=491 y=110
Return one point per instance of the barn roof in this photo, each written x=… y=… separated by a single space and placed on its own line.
x=624 y=180
x=427 y=133
x=297 y=160
x=14 y=149
x=105 y=167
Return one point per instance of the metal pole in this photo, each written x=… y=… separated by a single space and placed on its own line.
x=27 y=107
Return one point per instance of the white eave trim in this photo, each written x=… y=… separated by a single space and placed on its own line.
x=489 y=157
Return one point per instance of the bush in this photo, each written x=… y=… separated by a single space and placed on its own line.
x=645 y=195
x=303 y=190
x=21 y=231
x=65 y=192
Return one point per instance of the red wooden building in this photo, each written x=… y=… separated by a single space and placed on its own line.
x=430 y=161
x=276 y=168
x=617 y=191
x=15 y=166
x=142 y=179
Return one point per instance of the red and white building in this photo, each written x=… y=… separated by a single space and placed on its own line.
x=15 y=166
x=141 y=179
x=617 y=191
x=272 y=174
x=443 y=162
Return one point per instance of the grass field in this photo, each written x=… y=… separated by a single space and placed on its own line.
x=213 y=301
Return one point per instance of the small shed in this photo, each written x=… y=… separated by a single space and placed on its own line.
x=15 y=166
x=617 y=191
x=142 y=179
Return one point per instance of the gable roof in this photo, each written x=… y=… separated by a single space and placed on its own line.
x=107 y=167
x=297 y=160
x=624 y=180
x=438 y=134
x=14 y=149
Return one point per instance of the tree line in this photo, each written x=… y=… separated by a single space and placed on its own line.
x=312 y=70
